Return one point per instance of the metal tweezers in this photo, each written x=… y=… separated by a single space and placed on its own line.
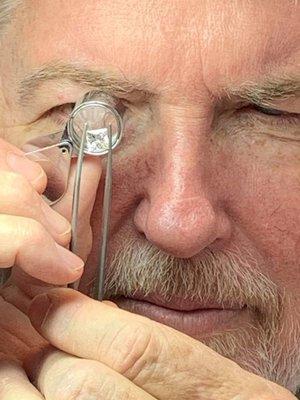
x=106 y=207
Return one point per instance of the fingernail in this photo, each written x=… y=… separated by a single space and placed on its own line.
x=59 y=223
x=39 y=310
x=22 y=165
x=69 y=260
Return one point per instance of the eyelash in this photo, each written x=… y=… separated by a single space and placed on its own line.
x=60 y=114
x=274 y=112
x=272 y=116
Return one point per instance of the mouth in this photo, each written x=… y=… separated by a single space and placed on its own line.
x=194 y=319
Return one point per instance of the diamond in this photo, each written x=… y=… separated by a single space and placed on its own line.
x=97 y=140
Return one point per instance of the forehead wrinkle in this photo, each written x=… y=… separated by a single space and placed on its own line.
x=103 y=80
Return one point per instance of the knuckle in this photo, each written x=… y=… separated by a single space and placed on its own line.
x=75 y=382
x=26 y=231
x=70 y=385
x=138 y=350
x=33 y=232
x=86 y=379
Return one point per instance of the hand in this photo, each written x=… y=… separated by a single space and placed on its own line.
x=18 y=341
x=20 y=203
x=32 y=235
x=111 y=354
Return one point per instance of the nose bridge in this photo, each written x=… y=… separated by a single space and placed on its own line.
x=184 y=150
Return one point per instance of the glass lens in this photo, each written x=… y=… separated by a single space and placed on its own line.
x=98 y=116
x=55 y=161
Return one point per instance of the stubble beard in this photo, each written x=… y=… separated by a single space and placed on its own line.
x=268 y=346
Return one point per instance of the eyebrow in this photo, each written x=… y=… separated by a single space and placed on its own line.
x=101 y=80
x=262 y=93
x=267 y=92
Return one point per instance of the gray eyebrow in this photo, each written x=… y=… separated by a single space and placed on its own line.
x=101 y=80
x=262 y=93
x=267 y=92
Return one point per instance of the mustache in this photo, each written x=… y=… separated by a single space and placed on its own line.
x=226 y=277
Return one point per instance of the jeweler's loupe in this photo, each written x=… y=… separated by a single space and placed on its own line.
x=55 y=151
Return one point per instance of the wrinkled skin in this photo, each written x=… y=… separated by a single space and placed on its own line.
x=196 y=175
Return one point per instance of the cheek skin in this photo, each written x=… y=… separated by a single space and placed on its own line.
x=264 y=201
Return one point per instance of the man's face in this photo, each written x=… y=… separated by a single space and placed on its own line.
x=206 y=203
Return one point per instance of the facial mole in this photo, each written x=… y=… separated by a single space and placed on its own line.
x=260 y=142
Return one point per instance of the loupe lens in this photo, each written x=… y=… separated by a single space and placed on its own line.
x=98 y=115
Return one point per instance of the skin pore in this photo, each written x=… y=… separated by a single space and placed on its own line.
x=206 y=182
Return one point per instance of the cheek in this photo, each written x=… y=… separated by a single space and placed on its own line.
x=265 y=205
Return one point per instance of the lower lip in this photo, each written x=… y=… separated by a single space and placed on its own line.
x=197 y=323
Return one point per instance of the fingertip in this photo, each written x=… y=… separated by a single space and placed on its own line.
x=41 y=304
x=60 y=267
x=71 y=262
x=110 y=304
x=45 y=308
x=64 y=239
x=40 y=182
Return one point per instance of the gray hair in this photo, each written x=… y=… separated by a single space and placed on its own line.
x=7 y=8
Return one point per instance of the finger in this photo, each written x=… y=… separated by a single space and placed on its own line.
x=18 y=337
x=90 y=177
x=91 y=174
x=14 y=383
x=13 y=159
x=18 y=197
x=59 y=376
x=163 y=362
x=34 y=250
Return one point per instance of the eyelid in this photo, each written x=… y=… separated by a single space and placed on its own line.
x=270 y=110
x=59 y=113
x=275 y=112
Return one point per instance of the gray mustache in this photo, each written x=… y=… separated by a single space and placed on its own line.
x=224 y=277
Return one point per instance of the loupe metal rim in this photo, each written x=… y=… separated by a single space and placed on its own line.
x=77 y=140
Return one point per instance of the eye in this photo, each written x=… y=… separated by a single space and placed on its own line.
x=272 y=116
x=60 y=114
x=270 y=111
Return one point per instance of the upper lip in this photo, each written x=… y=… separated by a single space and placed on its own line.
x=179 y=304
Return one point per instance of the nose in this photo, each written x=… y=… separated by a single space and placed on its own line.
x=181 y=213
x=182 y=227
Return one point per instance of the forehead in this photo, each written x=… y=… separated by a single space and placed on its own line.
x=163 y=41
